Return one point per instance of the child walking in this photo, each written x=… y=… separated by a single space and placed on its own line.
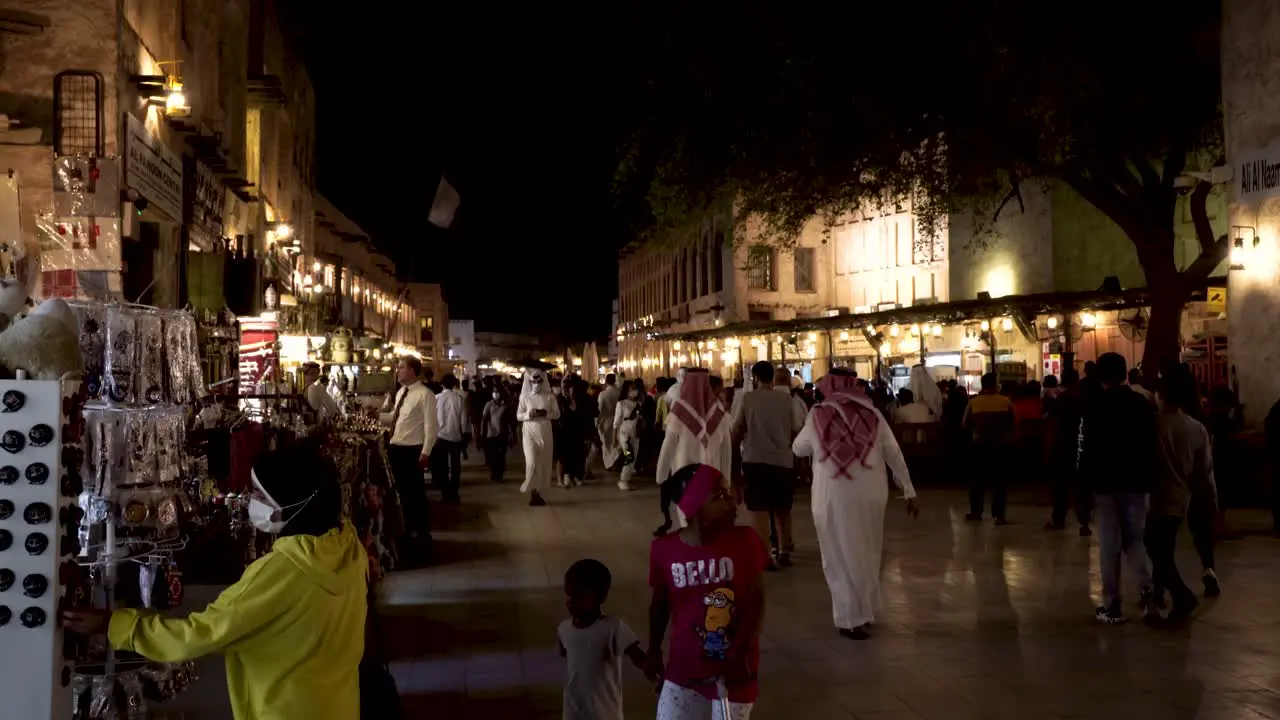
x=594 y=644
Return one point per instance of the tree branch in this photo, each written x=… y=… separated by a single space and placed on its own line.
x=1112 y=203
x=1150 y=180
x=1200 y=217
x=1209 y=259
x=1015 y=191
x=1175 y=162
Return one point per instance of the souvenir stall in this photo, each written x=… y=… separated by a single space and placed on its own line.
x=219 y=350
x=93 y=504
x=368 y=488
x=140 y=497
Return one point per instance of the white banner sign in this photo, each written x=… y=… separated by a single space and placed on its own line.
x=1258 y=174
x=152 y=169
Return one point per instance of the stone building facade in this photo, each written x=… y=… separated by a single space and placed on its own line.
x=1251 y=108
x=880 y=259
x=235 y=167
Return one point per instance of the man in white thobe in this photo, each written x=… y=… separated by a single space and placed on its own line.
x=538 y=407
x=698 y=433
x=608 y=405
x=851 y=444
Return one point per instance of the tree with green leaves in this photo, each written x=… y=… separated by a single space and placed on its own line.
x=791 y=111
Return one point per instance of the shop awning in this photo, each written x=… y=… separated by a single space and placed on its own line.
x=960 y=311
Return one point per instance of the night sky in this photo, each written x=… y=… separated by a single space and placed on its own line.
x=514 y=103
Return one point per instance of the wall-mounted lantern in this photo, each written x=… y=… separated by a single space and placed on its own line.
x=1243 y=245
x=165 y=90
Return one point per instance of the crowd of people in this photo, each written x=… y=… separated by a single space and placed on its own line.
x=1139 y=459
x=1136 y=462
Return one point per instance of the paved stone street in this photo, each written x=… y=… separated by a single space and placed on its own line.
x=979 y=622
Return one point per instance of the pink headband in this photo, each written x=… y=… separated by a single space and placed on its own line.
x=701 y=485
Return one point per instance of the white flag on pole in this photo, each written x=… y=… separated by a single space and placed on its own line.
x=444 y=205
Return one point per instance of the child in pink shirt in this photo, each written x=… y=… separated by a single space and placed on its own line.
x=707 y=585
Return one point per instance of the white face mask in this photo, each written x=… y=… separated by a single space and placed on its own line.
x=265 y=517
x=497 y=396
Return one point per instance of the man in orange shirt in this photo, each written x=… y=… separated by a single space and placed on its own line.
x=989 y=417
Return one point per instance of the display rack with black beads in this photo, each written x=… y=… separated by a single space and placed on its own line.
x=40 y=455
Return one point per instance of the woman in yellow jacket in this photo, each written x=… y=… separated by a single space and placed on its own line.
x=292 y=628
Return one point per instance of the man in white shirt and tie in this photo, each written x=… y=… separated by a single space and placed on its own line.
x=411 y=415
x=451 y=411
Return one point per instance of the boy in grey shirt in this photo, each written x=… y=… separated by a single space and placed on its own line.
x=594 y=644
x=1183 y=477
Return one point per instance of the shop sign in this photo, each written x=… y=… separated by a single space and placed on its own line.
x=1258 y=174
x=152 y=169
x=208 y=206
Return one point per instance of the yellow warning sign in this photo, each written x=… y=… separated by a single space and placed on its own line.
x=1215 y=300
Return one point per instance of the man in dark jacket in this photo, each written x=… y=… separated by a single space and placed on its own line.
x=1064 y=449
x=1117 y=452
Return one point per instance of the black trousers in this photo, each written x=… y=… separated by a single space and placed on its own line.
x=1162 y=540
x=410 y=488
x=987 y=469
x=1200 y=519
x=666 y=495
x=495 y=456
x=573 y=454
x=1066 y=483
x=446 y=467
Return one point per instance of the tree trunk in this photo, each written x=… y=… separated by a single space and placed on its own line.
x=1164 y=333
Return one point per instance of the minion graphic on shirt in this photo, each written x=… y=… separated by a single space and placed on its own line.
x=715 y=626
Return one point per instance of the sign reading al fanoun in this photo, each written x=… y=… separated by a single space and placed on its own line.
x=152 y=169
x=1258 y=175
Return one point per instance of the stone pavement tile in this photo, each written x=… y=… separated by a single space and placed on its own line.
x=862 y=698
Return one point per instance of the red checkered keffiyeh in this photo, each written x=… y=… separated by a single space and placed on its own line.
x=698 y=409
x=846 y=423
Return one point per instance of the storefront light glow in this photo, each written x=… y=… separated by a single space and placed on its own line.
x=1052 y=322
x=813 y=337
x=893 y=331
x=676 y=346
x=937 y=331
x=884 y=349
x=284 y=230
x=985 y=326
x=844 y=336
x=1006 y=324
x=1088 y=320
